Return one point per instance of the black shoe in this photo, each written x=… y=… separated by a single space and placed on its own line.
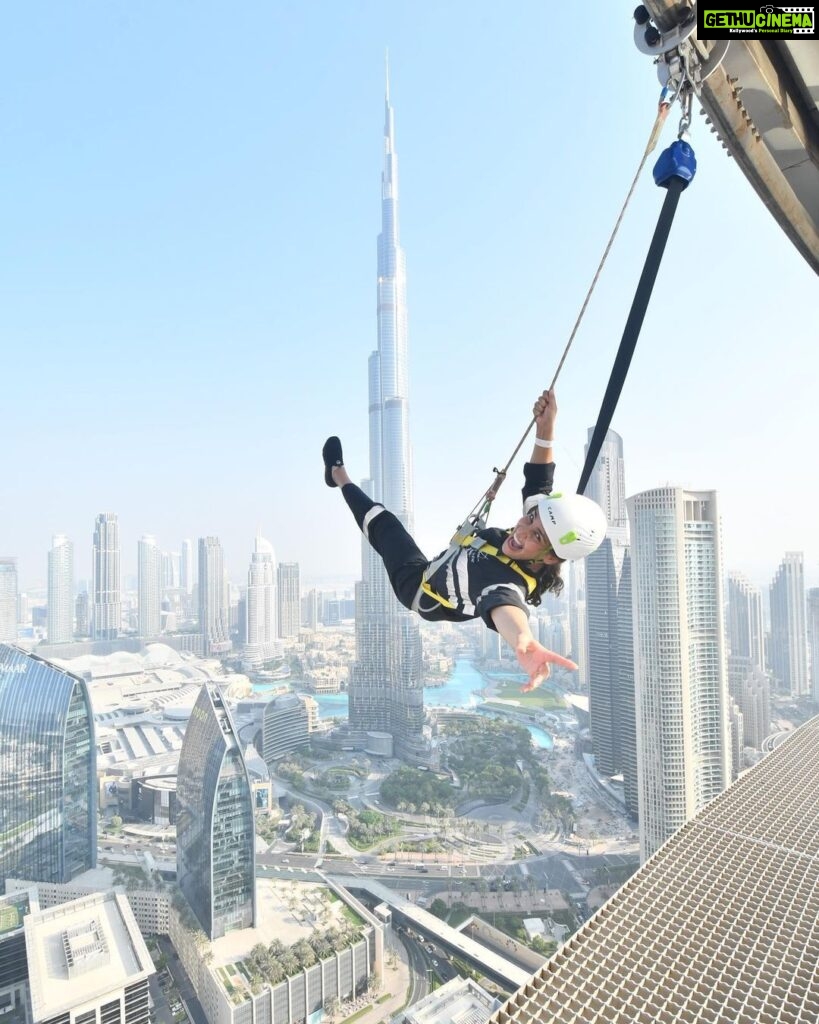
x=331 y=453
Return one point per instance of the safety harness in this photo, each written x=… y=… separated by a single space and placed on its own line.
x=467 y=537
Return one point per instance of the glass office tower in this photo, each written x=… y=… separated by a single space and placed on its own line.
x=48 y=794
x=215 y=838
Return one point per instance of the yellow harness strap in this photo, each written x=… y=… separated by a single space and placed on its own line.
x=469 y=541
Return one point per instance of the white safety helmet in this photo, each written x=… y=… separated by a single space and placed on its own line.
x=574 y=524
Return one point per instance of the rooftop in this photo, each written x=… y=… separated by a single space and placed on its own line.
x=459 y=1001
x=82 y=951
x=287 y=911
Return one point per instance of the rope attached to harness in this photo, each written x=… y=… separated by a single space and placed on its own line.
x=673 y=171
x=484 y=503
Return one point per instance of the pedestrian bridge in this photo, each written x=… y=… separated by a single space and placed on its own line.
x=494 y=966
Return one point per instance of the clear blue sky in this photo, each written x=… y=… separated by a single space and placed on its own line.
x=187 y=290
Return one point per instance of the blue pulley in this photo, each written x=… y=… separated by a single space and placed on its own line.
x=678 y=161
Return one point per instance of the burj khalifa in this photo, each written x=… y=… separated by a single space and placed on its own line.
x=386 y=687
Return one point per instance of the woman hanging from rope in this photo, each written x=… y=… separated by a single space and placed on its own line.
x=495 y=573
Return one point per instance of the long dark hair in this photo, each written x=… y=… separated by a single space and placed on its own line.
x=548 y=582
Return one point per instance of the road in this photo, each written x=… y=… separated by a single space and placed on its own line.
x=182 y=981
x=419 y=983
x=425 y=966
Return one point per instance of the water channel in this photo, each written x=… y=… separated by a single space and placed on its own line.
x=459 y=691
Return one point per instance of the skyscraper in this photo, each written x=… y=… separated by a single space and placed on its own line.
x=788 y=651
x=8 y=599
x=386 y=686
x=755 y=701
x=149 y=576
x=261 y=631
x=813 y=642
x=171 y=570
x=289 y=598
x=82 y=612
x=187 y=567
x=611 y=709
x=746 y=631
x=213 y=598
x=60 y=622
x=215 y=846
x=626 y=688
x=48 y=783
x=681 y=693
x=106 y=588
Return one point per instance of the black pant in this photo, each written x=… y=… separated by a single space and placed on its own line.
x=403 y=559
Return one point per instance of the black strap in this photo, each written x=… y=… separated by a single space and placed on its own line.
x=634 y=323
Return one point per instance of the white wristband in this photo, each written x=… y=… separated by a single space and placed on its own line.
x=541 y=442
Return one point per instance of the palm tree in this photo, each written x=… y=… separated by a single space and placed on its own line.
x=290 y=963
x=305 y=953
x=275 y=971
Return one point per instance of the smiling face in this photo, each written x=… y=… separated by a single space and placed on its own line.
x=528 y=541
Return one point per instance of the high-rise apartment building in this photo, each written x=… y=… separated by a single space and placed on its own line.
x=754 y=700
x=310 y=610
x=575 y=577
x=626 y=689
x=215 y=845
x=720 y=927
x=149 y=587
x=8 y=600
x=611 y=710
x=386 y=683
x=106 y=587
x=171 y=571
x=813 y=642
x=260 y=606
x=214 y=622
x=82 y=615
x=48 y=783
x=60 y=621
x=187 y=567
x=788 y=650
x=746 y=629
x=289 y=598
x=681 y=691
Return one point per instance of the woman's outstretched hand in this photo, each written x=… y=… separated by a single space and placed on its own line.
x=536 y=661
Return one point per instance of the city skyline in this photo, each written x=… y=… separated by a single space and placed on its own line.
x=116 y=268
